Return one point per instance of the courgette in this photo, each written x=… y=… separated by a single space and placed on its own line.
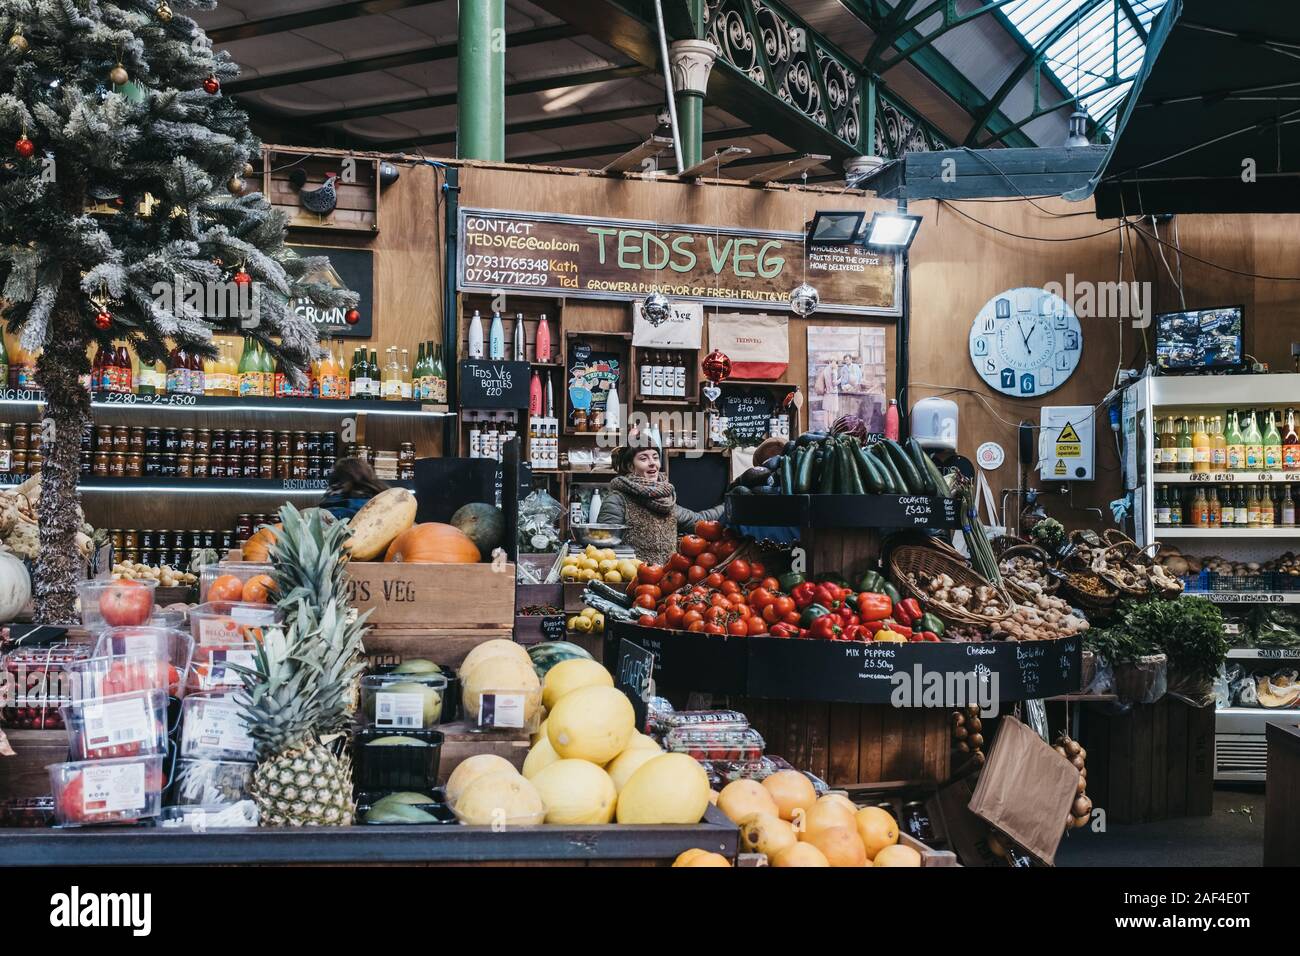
x=803 y=473
x=852 y=475
x=928 y=468
x=787 y=475
x=826 y=484
x=874 y=479
x=896 y=484
x=910 y=474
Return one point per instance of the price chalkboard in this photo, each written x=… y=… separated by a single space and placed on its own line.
x=493 y=384
x=553 y=627
x=748 y=412
x=634 y=676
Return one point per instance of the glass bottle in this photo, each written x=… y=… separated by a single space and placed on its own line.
x=1236 y=445
x=1175 y=507
x=1288 y=509
x=1201 y=447
x=1186 y=453
x=1218 y=446
x=4 y=362
x=438 y=374
x=1272 y=442
x=419 y=375
x=408 y=385
x=1200 y=517
x=1215 y=508
x=1162 y=506
x=355 y=386
x=1291 y=443
x=1252 y=508
x=248 y=371
x=279 y=381
x=1163 y=454
x=195 y=379
x=1254 y=442
x=376 y=387
x=1267 y=508
x=392 y=376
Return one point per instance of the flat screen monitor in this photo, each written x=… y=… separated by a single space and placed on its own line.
x=1200 y=339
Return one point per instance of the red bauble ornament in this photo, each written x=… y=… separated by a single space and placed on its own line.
x=212 y=85
x=103 y=320
x=352 y=317
x=717 y=367
x=242 y=278
x=25 y=147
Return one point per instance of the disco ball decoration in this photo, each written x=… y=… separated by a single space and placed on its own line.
x=716 y=366
x=657 y=308
x=804 y=300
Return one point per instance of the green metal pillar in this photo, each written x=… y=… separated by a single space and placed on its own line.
x=481 y=65
x=692 y=62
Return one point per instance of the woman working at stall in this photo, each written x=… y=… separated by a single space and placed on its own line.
x=642 y=498
x=352 y=484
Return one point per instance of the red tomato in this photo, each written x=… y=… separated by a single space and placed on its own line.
x=738 y=570
x=772 y=584
x=650 y=573
x=726 y=587
x=696 y=574
x=757 y=569
x=724 y=549
x=674 y=615
x=715 y=579
x=760 y=598
x=674 y=580
x=709 y=530
x=757 y=626
x=717 y=599
x=126 y=603
x=738 y=627
x=651 y=589
x=678 y=562
x=714 y=629
x=695 y=627
x=792 y=618
x=661 y=621
x=707 y=560
x=784 y=605
x=770 y=615
x=715 y=615
x=692 y=617
x=735 y=599
x=644 y=600
x=692 y=545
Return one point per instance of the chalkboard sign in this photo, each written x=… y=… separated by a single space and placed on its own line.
x=553 y=627
x=352 y=269
x=493 y=384
x=634 y=676
x=590 y=378
x=748 y=412
x=844 y=511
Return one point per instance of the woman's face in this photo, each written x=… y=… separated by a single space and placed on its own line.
x=645 y=464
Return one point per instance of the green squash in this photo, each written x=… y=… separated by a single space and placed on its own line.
x=485 y=525
x=549 y=653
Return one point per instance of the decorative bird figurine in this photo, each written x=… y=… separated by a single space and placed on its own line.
x=321 y=200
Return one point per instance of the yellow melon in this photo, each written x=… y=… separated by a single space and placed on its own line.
x=897 y=855
x=540 y=732
x=672 y=788
x=766 y=833
x=576 y=792
x=698 y=857
x=539 y=758
x=877 y=828
x=641 y=741
x=827 y=812
x=497 y=647
x=568 y=676
x=380 y=520
x=631 y=760
x=470 y=769
x=841 y=800
x=800 y=854
x=743 y=798
x=840 y=845
x=791 y=791
x=500 y=675
x=501 y=799
x=592 y=723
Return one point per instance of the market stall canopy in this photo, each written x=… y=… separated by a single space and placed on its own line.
x=986 y=173
x=1213 y=123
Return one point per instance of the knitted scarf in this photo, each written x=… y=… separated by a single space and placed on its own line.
x=650 y=509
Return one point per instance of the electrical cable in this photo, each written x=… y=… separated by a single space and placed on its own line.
x=1014 y=235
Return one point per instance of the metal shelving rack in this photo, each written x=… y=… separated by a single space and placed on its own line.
x=1240 y=748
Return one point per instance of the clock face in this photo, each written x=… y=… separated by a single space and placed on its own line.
x=1025 y=342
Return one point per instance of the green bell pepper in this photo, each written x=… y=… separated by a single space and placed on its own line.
x=930 y=622
x=811 y=613
x=887 y=588
x=790 y=579
x=871 y=582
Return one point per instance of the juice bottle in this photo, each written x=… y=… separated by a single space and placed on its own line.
x=1252 y=508
x=1200 y=517
x=1218 y=446
x=1267 y=508
x=1175 y=508
x=246 y=371
x=408 y=386
x=1201 y=447
x=1236 y=446
x=175 y=371
x=279 y=383
x=1253 y=439
x=1215 y=508
x=1272 y=443
x=198 y=377
x=1291 y=443
x=211 y=377
x=1186 y=453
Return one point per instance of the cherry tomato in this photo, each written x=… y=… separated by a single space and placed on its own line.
x=726 y=587
x=653 y=590
x=784 y=605
x=695 y=626
x=715 y=579
x=674 y=600
x=691 y=617
x=692 y=545
x=661 y=621
x=707 y=560
x=772 y=584
x=714 y=629
x=738 y=570
x=716 y=615
x=718 y=599
x=770 y=615
x=757 y=569
x=650 y=573
x=696 y=574
x=644 y=600
x=724 y=549
x=757 y=626
x=674 y=615
x=738 y=627
x=678 y=562
x=709 y=530
x=673 y=580
x=735 y=598
x=760 y=598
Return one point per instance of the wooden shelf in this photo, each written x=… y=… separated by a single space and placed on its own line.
x=655 y=400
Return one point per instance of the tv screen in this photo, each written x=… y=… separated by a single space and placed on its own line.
x=1206 y=338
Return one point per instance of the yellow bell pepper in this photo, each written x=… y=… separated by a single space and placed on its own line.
x=892 y=637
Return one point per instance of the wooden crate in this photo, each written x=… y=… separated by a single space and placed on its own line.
x=358 y=202
x=24 y=774
x=461 y=741
x=442 y=645
x=1155 y=762
x=1281 y=791
x=433 y=595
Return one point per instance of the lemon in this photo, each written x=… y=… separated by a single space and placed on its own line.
x=591 y=551
x=588 y=612
x=598 y=622
x=612 y=577
x=627 y=569
x=609 y=554
x=569 y=572
x=589 y=564
x=572 y=623
x=589 y=574
x=581 y=624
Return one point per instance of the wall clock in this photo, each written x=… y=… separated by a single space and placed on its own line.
x=1025 y=342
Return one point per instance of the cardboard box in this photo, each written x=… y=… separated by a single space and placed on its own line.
x=434 y=595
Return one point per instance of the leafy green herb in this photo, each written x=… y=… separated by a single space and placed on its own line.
x=1048 y=534
x=1189 y=631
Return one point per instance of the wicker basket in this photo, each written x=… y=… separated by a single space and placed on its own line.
x=1044 y=562
x=907 y=562
x=1005 y=542
x=1093 y=605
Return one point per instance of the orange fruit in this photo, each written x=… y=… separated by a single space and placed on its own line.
x=897 y=855
x=697 y=857
x=257 y=589
x=792 y=791
x=840 y=845
x=825 y=813
x=877 y=828
x=743 y=798
x=227 y=587
x=800 y=854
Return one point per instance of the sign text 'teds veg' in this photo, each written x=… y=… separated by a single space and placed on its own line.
x=744 y=257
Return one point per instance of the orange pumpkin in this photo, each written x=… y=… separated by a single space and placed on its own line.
x=258 y=547
x=433 y=543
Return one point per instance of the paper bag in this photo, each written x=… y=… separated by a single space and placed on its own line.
x=757 y=344
x=1026 y=790
x=682 y=329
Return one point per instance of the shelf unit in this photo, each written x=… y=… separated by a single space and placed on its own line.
x=1240 y=749
x=1262 y=654
x=229 y=403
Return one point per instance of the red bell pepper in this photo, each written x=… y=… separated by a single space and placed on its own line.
x=899 y=629
x=783 y=630
x=856 y=632
x=803 y=633
x=826 y=628
x=874 y=607
x=847 y=616
x=869 y=629
x=930 y=637
x=803 y=594
x=908 y=611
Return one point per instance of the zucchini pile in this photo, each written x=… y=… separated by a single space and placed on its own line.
x=820 y=464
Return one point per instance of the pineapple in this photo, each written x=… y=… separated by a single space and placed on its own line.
x=302 y=689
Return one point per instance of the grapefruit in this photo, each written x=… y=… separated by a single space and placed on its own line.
x=801 y=855
x=568 y=676
x=743 y=798
x=470 y=769
x=897 y=855
x=671 y=788
x=826 y=813
x=766 y=833
x=877 y=828
x=792 y=791
x=501 y=799
x=840 y=845
x=539 y=758
x=576 y=792
x=592 y=723
x=632 y=759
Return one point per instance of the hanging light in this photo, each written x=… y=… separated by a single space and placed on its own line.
x=1078 y=135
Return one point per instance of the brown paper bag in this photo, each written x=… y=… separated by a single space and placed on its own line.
x=1025 y=790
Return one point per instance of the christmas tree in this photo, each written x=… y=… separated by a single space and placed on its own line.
x=125 y=190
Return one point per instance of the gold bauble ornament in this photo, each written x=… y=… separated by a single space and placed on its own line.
x=18 y=43
x=248 y=170
x=163 y=12
x=236 y=185
x=119 y=76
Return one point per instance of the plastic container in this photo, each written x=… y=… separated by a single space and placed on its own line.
x=40 y=679
x=129 y=725
x=709 y=744
x=27 y=813
x=210 y=669
x=387 y=767
x=175 y=619
x=400 y=702
x=115 y=603
x=226 y=623
x=95 y=792
x=123 y=674
x=213 y=727
x=435 y=806
x=209 y=783
x=231 y=578
x=176 y=647
x=236 y=816
x=702 y=720
x=934 y=423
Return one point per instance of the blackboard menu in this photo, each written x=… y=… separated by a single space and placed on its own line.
x=493 y=384
x=592 y=375
x=748 y=411
x=634 y=676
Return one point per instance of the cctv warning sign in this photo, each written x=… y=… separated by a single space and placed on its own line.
x=1068 y=443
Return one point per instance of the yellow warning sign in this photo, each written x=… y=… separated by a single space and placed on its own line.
x=1060 y=467
x=1068 y=445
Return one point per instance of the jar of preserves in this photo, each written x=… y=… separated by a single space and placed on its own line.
x=121 y=438
x=284 y=444
x=217 y=466
x=244 y=528
x=131 y=555
x=329 y=444
x=283 y=467
x=187 y=441
x=171 y=441
x=218 y=444
x=153 y=441
x=313 y=443
x=315 y=468
x=153 y=465
x=251 y=468
x=134 y=464
x=103 y=437
x=299 y=468
x=87 y=459
x=35 y=462
x=135 y=440
x=22 y=433
x=184 y=466
x=118 y=537
x=266 y=467
x=209 y=539
x=148 y=557
x=99 y=469
x=117 y=464
x=180 y=540
x=227 y=540
x=131 y=539
x=266 y=443
x=88 y=438
x=202 y=466
x=148 y=539
x=168 y=469
x=203 y=441
x=299 y=444
x=235 y=442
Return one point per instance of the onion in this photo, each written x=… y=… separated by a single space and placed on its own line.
x=1082 y=806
